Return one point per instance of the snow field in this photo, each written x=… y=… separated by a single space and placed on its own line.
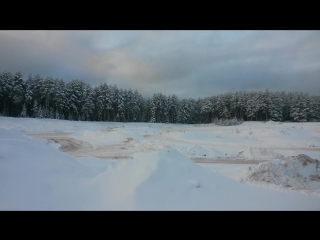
x=159 y=173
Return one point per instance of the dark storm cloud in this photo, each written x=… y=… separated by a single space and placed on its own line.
x=187 y=63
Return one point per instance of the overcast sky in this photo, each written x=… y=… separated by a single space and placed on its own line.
x=186 y=63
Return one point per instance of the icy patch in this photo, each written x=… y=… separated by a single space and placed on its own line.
x=297 y=173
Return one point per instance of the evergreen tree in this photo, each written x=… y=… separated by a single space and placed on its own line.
x=206 y=110
x=276 y=106
x=250 y=109
x=88 y=106
x=153 y=112
x=5 y=91
x=299 y=109
x=60 y=100
x=35 y=108
x=174 y=107
x=24 y=111
x=46 y=92
x=40 y=113
x=120 y=106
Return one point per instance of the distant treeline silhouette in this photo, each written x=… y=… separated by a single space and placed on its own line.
x=47 y=97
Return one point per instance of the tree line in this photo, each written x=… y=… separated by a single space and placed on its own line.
x=48 y=97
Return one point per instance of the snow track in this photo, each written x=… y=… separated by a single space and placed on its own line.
x=228 y=144
x=129 y=146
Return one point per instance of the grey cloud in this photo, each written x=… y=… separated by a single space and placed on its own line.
x=187 y=63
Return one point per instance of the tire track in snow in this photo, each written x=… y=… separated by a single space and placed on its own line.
x=225 y=144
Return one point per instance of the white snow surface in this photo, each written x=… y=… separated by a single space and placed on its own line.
x=152 y=166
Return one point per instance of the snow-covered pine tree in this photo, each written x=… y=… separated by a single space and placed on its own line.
x=174 y=108
x=18 y=94
x=29 y=94
x=88 y=106
x=286 y=105
x=24 y=111
x=135 y=105
x=51 y=114
x=70 y=117
x=142 y=111
x=298 y=109
x=120 y=106
x=166 y=107
x=206 y=110
x=57 y=115
x=6 y=86
x=197 y=111
x=314 y=109
x=126 y=106
x=61 y=103
x=47 y=92
x=36 y=85
x=75 y=90
x=152 y=112
x=184 y=111
x=108 y=103
x=250 y=109
x=222 y=111
x=35 y=109
x=40 y=113
x=101 y=100
x=156 y=107
x=193 y=113
x=129 y=105
x=242 y=104
x=275 y=106
x=234 y=108
x=114 y=101
x=264 y=100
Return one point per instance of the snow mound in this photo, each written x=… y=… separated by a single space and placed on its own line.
x=171 y=176
x=169 y=165
x=297 y=173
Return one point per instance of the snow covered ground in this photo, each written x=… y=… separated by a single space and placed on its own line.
x=48 y=164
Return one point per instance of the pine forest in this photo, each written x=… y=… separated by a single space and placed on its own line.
x=38 y=97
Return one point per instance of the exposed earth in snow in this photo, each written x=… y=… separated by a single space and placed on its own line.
x=132 y=164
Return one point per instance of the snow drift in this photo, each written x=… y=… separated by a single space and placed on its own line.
x=296 y=172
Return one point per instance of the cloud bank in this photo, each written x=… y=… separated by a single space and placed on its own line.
x=186 y=63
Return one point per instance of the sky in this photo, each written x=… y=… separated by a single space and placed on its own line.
x=188 y=63
x=36 y=175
